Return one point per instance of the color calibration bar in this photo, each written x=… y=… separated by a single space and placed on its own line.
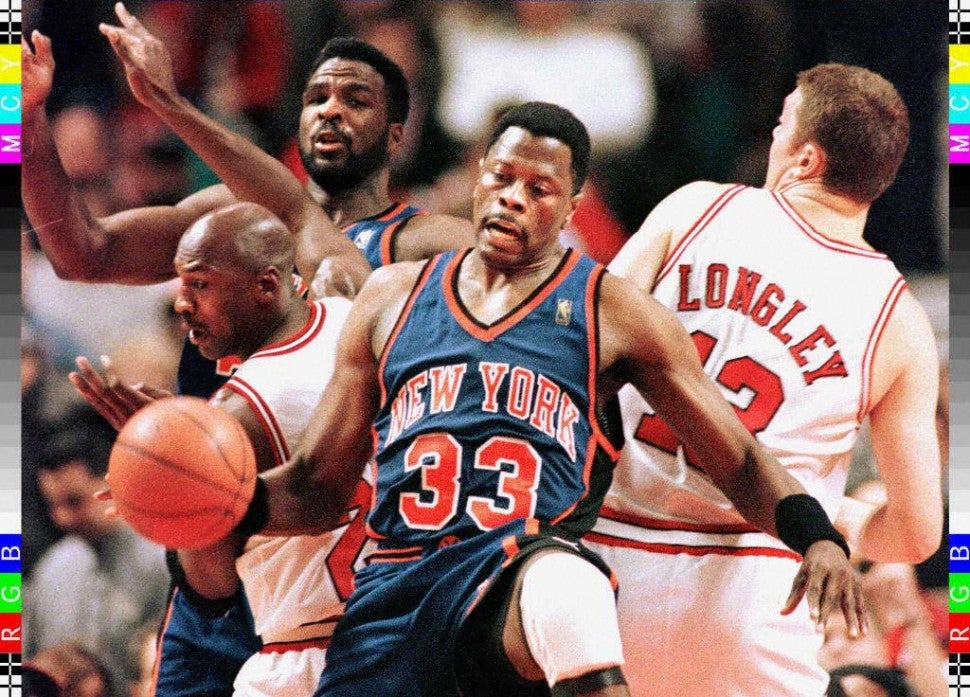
x=11 y=544
x=959 y=104
x=959 y=195
x=9 y=104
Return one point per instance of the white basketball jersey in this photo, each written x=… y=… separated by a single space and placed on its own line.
x=296 y=586
x=786 y=322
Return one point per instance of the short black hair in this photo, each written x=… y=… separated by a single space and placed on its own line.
x=398 y=94
x=545 y=119
x=76 y=443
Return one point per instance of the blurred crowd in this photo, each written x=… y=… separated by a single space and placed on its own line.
x=671 y=93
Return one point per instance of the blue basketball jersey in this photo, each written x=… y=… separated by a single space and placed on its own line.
x=375 y=236
x=483 y=425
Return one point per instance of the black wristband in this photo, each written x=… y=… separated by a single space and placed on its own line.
x=257 y=515
x=801 y=522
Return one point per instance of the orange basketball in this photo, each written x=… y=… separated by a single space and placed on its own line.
x=182 y=472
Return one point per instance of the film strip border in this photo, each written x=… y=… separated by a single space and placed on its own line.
x=11 y=675
x=10 y=115
x=959 y=606
x=959 y=21
x=958 y=678
x=959 y=102
x=11 y=544
x=10 y=615
x=10 y=21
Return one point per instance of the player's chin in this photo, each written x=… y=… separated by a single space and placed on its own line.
x=210 y=349
x=503 y=251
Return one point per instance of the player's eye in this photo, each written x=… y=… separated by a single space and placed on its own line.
x=310 y=98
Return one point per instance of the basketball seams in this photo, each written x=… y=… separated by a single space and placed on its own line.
x=167 y=485
x=152 y=523
x=189 y=473
x=249 y=465
x=201 y=424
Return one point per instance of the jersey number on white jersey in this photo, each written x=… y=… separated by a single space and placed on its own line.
x=737 y=374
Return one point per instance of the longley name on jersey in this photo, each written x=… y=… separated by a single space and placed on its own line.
x=748 y=293
x=527 y=396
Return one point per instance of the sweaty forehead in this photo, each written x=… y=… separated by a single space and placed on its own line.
x=518 y=145
x=345 y=70
x=194 y=253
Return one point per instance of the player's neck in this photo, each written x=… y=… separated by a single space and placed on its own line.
x=835 y=216
x=285 y=326
x=492 y=273
x=365 y=200
x=490 y=291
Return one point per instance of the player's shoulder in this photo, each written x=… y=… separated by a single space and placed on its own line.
x=623 y=302
x=910 y=323
x=690 y=200
x=677 y=213
x=391 y=280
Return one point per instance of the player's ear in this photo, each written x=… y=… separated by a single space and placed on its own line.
x=395 y=136
x=811 y=160
x=268 y=283
x=573 y=205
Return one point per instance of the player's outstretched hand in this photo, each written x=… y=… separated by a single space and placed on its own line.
x=108 y=394
x=36 y=71
x=830 y=583
x=148 y=65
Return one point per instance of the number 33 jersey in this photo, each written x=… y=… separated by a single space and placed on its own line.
x=786 y=322
x=483 y=425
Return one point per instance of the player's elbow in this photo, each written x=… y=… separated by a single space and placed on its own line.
x=82 y=270
x=924 y=542
x=918 y=537
x=74 y=271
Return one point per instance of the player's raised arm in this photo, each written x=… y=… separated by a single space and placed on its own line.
x=642 y=343
x=908 y=526
x=130 y=247
x=250 y=173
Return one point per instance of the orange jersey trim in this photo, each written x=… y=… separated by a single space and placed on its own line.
x=492 y=331
x=156 y=665
x=399 y=325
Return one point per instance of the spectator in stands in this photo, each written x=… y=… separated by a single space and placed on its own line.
x=100 y=582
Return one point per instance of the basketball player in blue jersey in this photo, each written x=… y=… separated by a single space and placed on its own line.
x=484 y=375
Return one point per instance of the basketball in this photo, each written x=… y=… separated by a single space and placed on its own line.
x=182 y=472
